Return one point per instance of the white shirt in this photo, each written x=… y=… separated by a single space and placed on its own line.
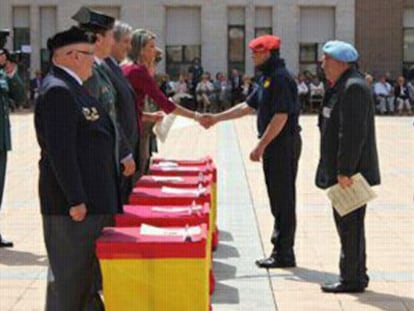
x=98 y=60
x=317 y=89
x=71 y=73
x=382 y=88
x=302 y=88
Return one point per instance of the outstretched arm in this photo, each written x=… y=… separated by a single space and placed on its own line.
x=238 y=111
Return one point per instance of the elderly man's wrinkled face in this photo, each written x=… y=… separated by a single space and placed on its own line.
x=77 y=57
x=329 y=66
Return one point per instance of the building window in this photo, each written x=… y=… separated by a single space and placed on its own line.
x=180 y=57
x=236 y=40
x=183 y=39
x=408 y=60
x=263 y=21
x=262 y=31
x=317 y=25
x=408 y=43
x=309 y=57
x=21 y=38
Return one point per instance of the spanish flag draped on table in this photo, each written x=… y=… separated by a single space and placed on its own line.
x=151 y=272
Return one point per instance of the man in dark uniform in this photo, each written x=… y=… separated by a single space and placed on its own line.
x=78 y=182
x=275 y=99
x=125 y=102
x=100 y=85
x=348 y=146
x=11 y=88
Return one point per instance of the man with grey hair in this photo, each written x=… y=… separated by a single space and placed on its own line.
x=126 y=111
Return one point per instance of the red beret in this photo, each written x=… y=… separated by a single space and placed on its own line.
x=265 y=43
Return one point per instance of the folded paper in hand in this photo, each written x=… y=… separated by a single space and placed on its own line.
x=161 y=128
x=351 y=198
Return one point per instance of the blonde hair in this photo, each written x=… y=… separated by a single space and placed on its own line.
x=139 y=39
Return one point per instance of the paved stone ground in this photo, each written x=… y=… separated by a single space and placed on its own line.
x=245 y=221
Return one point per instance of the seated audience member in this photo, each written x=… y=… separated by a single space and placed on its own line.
x=402 y=96
x=303 y=91
x=383 y=96
x=203 y=91
x=181 y=86
x=247 y=87
x=317 y=91
x=222 y=92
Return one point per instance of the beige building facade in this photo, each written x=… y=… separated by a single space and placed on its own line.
x=216 y=31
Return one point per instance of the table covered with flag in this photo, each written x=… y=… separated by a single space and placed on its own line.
x=151 y=272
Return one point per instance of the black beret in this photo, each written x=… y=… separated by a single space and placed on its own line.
x=93 y=20
x=70 y=36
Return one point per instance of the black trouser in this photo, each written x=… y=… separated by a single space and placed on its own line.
x=125 y=189
x=70 y=248
x=351 y=232
x=280 y=166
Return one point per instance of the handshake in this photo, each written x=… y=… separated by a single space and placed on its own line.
x=206 y=120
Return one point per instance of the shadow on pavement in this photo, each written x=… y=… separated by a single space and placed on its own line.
x=382 y=301
x=226 y=251
x=225 y=294
x=225 y=236
x=11 y=257
x=223 y=271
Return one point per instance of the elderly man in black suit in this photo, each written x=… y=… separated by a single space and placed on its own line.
x=348 y=146
x=125 y=100
x=78 y=182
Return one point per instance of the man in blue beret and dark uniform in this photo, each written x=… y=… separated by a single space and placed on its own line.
x=348 y=146
x=276 y=101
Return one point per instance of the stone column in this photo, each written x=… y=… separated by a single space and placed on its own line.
x=34 y=38
x=214 y=37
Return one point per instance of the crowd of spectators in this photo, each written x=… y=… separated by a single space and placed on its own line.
x=208 y=93
x=392 y=96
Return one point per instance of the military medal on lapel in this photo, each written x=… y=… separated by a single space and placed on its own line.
x=90 y=114
x=266 y=83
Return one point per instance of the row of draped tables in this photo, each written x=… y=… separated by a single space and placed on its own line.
x=159 y=254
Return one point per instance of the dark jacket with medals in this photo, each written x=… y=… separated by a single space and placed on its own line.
x=77 y=140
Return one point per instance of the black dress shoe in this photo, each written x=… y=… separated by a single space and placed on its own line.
x=275 y=262
x=341 y=287
x=5 y=243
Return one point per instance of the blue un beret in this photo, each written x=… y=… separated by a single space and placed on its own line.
x=341 y=51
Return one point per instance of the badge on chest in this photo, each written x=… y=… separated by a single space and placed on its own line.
x=266 y=83
x=90 y=114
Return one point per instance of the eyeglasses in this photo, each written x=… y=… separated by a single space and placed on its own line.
x=89 y=53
